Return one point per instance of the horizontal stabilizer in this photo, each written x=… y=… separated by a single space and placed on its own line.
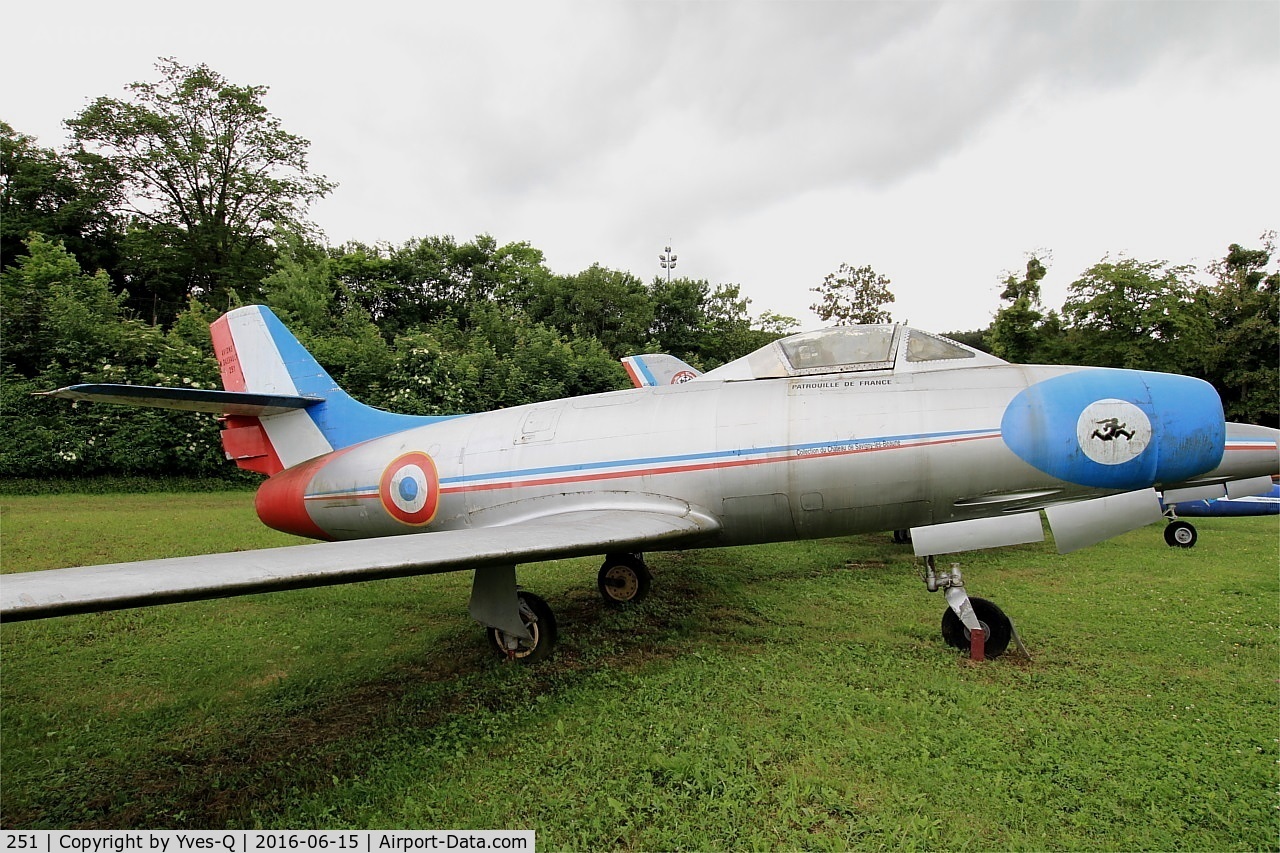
x=977 y=533
x=186 y=399
x=1079 y=525
x=88 y=589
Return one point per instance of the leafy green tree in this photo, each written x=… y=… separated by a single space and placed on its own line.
x=499 y=362
x=976 y=338
x=42 y=191
x=76 y=331
x=679 y=314
x=853 y=296
x=433 y=278
x=611 y=306
x=1244 y=303
x=729 y=332
x=53 y=315
x=777 y=325
x=1144 y=315
x=1015 y=333
x=206 y=170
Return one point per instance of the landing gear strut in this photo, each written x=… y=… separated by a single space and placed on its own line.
x=624 y=579
x=970 y=623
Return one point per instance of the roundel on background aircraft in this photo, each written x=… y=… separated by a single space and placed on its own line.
x=410 y=488
x=1117 y=429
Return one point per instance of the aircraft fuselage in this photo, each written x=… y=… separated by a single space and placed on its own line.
x=770 y=460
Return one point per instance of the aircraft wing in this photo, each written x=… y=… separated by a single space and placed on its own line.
x=185 y=399
x=88 y=589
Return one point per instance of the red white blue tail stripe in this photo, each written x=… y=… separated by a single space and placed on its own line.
x=256 y=353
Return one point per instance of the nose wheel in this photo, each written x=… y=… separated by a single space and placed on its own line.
x=974 y=625
x=997 y=629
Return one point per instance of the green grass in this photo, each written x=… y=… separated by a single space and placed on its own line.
x=789 y=696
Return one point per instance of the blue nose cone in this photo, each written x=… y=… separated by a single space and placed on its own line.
x=1117 y=429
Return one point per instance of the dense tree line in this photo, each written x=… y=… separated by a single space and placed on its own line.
x=186 y=198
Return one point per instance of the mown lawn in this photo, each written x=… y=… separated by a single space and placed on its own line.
x=789 y=696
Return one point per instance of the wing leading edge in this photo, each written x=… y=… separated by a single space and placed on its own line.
x=88 y=589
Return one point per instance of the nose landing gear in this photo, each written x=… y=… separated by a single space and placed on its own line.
x=972 y=624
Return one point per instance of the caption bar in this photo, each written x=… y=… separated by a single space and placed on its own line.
x=263 y=841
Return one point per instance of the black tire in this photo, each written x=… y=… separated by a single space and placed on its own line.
x=1180 y=534
x=624 y=579
x=541 y=622
x=998 y=628
x=902 y=537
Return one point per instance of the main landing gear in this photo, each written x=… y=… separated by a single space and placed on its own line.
x=624 y=579
x=522 y=627
x=968 y=623
x=519 y=624
x=540 y=625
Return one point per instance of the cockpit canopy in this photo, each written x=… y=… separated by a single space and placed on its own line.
x=847 y=349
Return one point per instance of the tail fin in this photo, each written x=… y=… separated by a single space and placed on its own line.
x=658 y=369
x=257 y=354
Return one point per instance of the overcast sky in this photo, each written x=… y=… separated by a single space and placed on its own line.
x=767 y=143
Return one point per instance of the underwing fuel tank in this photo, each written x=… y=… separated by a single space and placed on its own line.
x=1117 y=429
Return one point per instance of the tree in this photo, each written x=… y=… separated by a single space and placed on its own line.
x=1015 y=331
x=612 y=306
x=679 y=314
x=728 y=331
x=1244 y=303
x=431 y=278
x=852 y=296
x=42 y=191
x=62 y=326
x=205 y=168
x=1143 y=315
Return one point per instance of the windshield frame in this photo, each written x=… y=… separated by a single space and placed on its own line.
x=789 y=350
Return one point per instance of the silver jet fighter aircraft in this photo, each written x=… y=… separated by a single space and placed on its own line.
x=829 y=433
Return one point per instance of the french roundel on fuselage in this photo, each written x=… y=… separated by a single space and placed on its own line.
x=410 y=488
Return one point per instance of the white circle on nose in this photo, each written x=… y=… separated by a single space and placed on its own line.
x=1112 y=432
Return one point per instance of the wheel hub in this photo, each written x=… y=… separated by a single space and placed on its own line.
x=621 y=583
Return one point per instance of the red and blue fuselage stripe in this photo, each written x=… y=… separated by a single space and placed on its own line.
x=588 y=472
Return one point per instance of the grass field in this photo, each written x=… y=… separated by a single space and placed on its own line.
x=791 y=696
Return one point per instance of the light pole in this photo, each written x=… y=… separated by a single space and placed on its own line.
x=667 y=261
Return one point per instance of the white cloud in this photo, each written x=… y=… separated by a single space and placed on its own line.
x=769 y=142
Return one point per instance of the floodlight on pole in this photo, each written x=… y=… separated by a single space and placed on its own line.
x=667 y=261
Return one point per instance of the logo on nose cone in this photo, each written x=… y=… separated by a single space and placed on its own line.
x=1112 y=432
